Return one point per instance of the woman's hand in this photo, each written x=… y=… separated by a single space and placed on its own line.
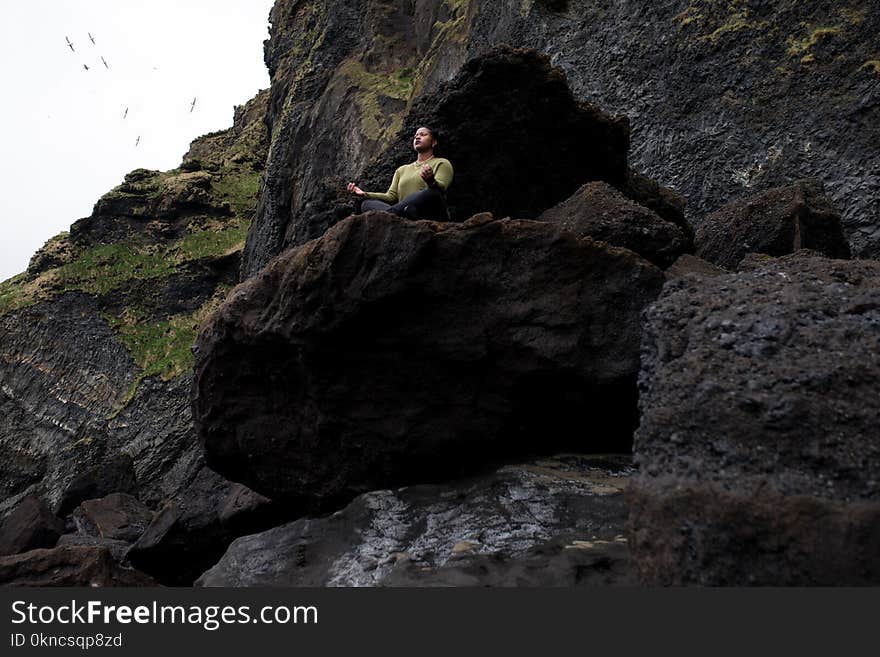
x=354 y=189
x=427 y=174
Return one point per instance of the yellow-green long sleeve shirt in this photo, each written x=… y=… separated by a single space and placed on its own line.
x=407 y=180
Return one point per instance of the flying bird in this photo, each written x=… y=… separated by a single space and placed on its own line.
x=126 y=113
x=106 y=65
x=69 y=44
x=192 y=107
x=91 y=38
x=85 y=67
x=138 y=141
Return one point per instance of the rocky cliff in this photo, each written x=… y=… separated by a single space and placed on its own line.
x=95 y=347
x=724 y=98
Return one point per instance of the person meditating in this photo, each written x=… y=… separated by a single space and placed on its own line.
x=418 y=189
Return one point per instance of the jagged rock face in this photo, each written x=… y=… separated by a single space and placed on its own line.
x=723 y=97
x=556 y=522
x=599 y=211
x=391 y=351
x=63 y=372
x=778 y=222
x=342 y=75
x=510 y=103
x=758 y=449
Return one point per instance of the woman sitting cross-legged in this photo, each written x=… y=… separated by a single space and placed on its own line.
x=418 y=190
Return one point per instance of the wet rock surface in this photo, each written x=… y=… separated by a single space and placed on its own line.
x=778 y=222
x=757 y=450
x=391 y=351
x=601 y=212
x=552 y=522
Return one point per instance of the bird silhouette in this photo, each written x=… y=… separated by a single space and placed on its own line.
x=69 y=44
x=85 y=67
x=126 y=113
x=106 y=65
x=91 y=38
x=138 y=141
x=192 y=107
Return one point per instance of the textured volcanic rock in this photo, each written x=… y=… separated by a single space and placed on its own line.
x=70 y=565
x=391 y=352
x=118 y=549
x=777 y=222
x=117 y=517
x=601 y=212
x=113 y=474
x=758 y=449
x=510 y=103
x=29 y=526
x=556 y=522
x=62 y=372
x=692 y=265
x=191 y=532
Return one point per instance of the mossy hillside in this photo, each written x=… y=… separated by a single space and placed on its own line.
x=238 y=188
x=744 y=25
x=163 y=348
x=106 y=268
x=12 y=293
x=139 y=184
x=371 y=86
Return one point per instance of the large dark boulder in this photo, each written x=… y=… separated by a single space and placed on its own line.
x=554 y=522
x=391 y=352
x=190 y=532
x=777 y=222
x=30 y=525
x=599 y=211
x=758 y=448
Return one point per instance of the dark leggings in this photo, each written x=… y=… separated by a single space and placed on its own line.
x=426 y=204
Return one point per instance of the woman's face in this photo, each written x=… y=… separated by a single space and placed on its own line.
x=422 y=140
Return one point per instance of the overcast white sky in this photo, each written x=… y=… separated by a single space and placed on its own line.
x=65 y=141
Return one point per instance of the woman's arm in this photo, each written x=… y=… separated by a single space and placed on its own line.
x=391 y=196
x=443 y=175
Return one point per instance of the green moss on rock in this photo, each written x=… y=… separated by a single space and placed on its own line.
x=210 y=242
x=801 y=47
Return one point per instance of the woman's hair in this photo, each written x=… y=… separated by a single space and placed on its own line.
x=435 y=134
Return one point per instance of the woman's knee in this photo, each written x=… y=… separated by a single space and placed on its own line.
x=373 y=204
